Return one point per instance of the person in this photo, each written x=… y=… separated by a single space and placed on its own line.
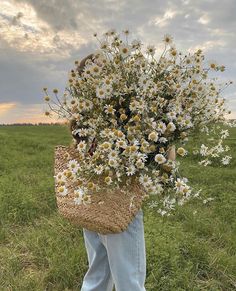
x=116 y=259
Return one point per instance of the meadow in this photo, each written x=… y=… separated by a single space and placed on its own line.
x=194 y=249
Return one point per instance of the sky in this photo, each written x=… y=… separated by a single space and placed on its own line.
x=40 y=40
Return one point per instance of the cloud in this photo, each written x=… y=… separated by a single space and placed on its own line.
x=24 y=113
x=40 y=40
x=6 y=107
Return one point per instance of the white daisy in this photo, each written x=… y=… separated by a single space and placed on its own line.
x=160 y=159
x=98 y=169
x=86 y=199
x=62 y=190
x=153 y=136
x=171 y=115
x=101 y=92
x=113 y=163
x=60 y=177
x=73 y=165
x=171 y=127
x=145 y=180
x=136 y=44
x=109 y=109
x=81 y=147
x=151 y=50
x=225 y=160
x=130 y=170
x=124 y=50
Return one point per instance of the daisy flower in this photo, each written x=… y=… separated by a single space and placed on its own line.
x=104 y=45
x=181 y=151
x=81 y=147
x=124 y=50
x=212 y=65
x=135 y=44
x=121 y=143
x=62 y=190
x=225 y=160
x=98 y=169
x=86 y=199
x=151 y=50
x=106 y=146
x=153 y=136
x=113 y=163
x=101 y=92
x=171 y=126
x=160 y=159
x=73 y=165
x=161 y=126
x=130 y=170
x=126 y=31
x=167 y=39
x=171 y=115
x=60 y=177
x=145 y=180
x=109 y=109
x=108 y=180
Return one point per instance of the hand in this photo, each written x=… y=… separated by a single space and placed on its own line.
x=171 y=155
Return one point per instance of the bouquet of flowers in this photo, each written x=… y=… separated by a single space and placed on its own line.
x=126 y=109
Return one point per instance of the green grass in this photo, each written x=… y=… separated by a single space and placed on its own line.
x=39 y=250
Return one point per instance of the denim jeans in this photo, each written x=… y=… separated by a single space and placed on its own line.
x=116 y=259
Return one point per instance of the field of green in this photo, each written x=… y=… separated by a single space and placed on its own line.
x=195 y=249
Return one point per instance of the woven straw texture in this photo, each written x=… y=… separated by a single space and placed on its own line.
x=109 y=211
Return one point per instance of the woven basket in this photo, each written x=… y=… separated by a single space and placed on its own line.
x=108 y=212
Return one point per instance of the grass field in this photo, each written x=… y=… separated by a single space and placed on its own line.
x=39 y=250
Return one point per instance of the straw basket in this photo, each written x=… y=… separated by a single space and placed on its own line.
x=108 y=212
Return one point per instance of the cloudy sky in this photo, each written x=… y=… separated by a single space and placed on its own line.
x=40 y=40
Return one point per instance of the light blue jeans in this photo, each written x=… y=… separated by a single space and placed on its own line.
x=116 y=258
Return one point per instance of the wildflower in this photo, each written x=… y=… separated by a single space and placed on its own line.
x=60 y=177
x=113 y=163
x=123 y=116
x=167 y=39
x=181 y=151
x=47 y=113
x=213 y=65
x=73 y=165
x=95 y=70
x=161 y=126
x=101 y=92
x=109 y=109
x=136 y=44
x=130 y=170
x=151 y=50
x=46 y=98
x=86 y=199
x=81 y=146
x=106 y=145
x=104 y=45
x=160 y=159
x=124 y=50
x=126 y=31
x=153 y=136
x=98 y=169
x=108 y=180
x=121 y=143
x=62 y=190
x=171 y=126
x=225 y=160
x=140 y=164
x=203 y=150
x=173 y=52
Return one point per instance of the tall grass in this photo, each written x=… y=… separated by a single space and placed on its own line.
x=195 y=249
